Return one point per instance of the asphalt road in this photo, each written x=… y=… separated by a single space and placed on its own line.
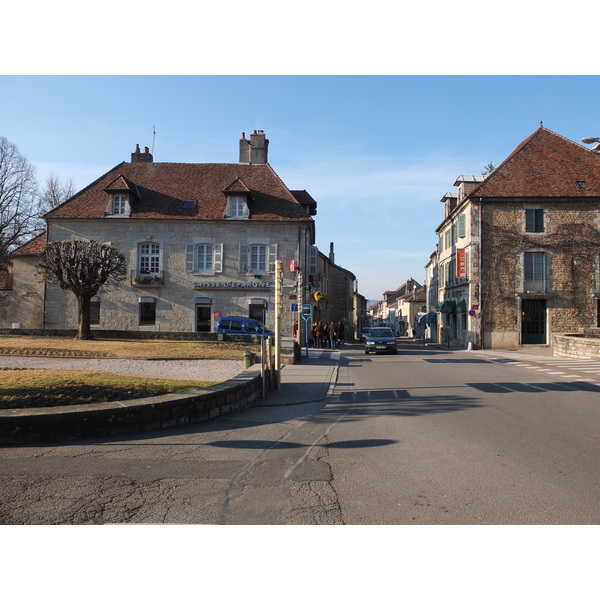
x=424 y=437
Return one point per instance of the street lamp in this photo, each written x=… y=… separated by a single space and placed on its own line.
x=592 y=140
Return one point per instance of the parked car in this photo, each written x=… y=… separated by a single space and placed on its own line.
x=380 y=339
x=241 y=325
x=363 y=333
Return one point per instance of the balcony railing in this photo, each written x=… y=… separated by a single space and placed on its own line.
x=140 y=279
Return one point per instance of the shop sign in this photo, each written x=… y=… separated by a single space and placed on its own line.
x=461 y=263
x=232 y=285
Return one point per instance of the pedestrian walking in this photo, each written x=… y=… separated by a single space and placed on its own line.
x=331 y=331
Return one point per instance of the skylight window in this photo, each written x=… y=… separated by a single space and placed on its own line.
x=581 y=185
x=189 y=205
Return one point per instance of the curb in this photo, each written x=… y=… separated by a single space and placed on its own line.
x=65 y=423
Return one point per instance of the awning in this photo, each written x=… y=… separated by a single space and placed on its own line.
x=431 y=318
x=448 y=307
x=462 y=306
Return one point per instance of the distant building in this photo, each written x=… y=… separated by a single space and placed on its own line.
x=401 y=309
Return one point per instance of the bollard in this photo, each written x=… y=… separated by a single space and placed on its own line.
x=248 y=359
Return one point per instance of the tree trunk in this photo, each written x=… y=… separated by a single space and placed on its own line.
x=84 y=331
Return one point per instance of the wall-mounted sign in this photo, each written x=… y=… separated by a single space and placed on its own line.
x=233 y=285
x=461 y=263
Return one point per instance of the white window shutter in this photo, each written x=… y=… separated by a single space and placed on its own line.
x=243 y=257
x=218 y=258
x=313 y=261
x=272 y=259
x=246 y=210
x=189 y=257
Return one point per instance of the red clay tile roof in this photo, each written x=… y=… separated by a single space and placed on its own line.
x=35 y=245
x=163 y=188
x=544 y=165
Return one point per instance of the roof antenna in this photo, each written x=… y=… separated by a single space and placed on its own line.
x=541 y=123
x=153 y=138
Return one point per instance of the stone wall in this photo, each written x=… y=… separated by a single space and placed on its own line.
x=23 y=306
x=176 y=297
x=576 y=346
x=19 y=426
x=570 y=241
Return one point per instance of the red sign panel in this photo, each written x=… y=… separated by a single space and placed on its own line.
x=461 y=263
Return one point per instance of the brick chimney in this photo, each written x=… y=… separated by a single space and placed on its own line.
x=256 y=150
x=138 y=157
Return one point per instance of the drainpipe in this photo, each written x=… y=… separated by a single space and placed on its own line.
x=480 y=278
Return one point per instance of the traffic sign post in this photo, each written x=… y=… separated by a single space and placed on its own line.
x=306 y=315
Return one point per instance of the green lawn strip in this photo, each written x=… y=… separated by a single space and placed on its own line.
x=55 y=353
x=158 y=350
x=31 y=388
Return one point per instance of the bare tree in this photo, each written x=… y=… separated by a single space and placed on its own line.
x=488 y=169
x=55 y=192
x=18 y=196
x=4 y=255
x=82 y=267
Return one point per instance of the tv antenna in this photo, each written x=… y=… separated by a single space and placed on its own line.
x=153 y=138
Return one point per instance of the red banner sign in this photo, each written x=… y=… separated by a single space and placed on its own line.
x=461 y=263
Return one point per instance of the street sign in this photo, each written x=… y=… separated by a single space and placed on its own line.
x=306 y=311
x=294 y=307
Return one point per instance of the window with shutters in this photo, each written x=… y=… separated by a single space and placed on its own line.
x=258 y=259
x=237 y=208
x=462 y=225
x=204 y=257
x=534 y=220
x=118 y=206
x=313 y=261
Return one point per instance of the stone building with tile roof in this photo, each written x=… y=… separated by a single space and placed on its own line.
x=200 y=240
x=518 y=250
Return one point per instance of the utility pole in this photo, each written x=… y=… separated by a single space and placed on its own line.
x=278 y=308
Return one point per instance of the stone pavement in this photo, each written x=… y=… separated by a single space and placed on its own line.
x=312 y=379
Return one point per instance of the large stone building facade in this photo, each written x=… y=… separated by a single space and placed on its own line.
x=201 y=241
x=518 y=251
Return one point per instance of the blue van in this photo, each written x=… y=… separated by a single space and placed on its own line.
x=241 y=325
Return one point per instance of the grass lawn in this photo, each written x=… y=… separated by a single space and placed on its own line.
x=35 y=388
x=108 y=348
x=30 y=388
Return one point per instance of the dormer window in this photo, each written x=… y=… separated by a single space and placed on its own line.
x=119 y=205
x=237 y=208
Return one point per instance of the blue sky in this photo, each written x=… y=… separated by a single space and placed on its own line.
x=376 y=152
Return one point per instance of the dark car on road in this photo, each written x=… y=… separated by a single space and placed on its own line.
x=380 y=339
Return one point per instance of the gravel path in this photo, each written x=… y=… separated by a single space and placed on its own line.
x=200 y=370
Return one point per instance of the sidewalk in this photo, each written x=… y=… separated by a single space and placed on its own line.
x=310 y=380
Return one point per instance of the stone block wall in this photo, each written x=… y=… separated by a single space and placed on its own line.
x=18 y=426
x=175 y=300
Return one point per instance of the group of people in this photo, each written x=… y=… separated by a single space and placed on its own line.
x=328 y=336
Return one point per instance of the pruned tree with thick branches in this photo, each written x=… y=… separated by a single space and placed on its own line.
x=82 y=267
